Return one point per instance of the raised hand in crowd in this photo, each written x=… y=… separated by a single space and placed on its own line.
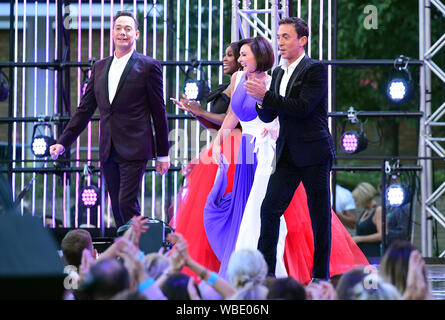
x=132 y=234
x=130 y=256
x=86 y=264
x=219 y=284
x=416 y=286
x=177 y=261
x=137 y=228
x=192 y=291
x=133 y=262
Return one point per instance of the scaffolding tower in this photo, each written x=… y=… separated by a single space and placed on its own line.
x=428 y=143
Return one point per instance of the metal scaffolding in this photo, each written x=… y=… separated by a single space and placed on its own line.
x=43 y=30
x=427 y=142
x=246 y=17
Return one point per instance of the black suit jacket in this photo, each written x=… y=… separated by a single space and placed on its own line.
x=302 y=113
x=126 y=122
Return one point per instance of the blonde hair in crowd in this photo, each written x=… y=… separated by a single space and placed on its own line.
x=247 y=270
x=363 y=194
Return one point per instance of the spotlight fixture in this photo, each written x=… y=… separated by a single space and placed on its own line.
x=196 y=89
x=40 y=141
x=89 y=195
x=399 y=190
x=399 y=85
x=395 y=195
x=353 y=141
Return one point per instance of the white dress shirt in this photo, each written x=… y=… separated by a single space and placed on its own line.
x=288 y=70
x=114 y=75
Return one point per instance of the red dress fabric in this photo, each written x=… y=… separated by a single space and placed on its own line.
x=299 y=245
x=190 y=214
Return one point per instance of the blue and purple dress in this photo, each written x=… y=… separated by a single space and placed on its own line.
x=223 y=213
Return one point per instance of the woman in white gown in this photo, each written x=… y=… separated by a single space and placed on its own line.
x=232 y=221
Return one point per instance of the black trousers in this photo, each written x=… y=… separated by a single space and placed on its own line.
x=123 y=180
x=280 y=190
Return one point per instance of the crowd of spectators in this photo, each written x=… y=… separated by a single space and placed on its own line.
x=123 y=272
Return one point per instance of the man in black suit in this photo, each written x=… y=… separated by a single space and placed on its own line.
x=127 y=88
x=305 y=150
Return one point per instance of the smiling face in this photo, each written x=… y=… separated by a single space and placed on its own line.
x=124 y=33
x=247 y=59
x=230 y=65
x=291 y=47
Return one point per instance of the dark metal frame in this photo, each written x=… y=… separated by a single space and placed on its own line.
x=64 y=65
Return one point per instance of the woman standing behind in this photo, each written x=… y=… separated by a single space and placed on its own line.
x=369 y=224
x=200 y=172
x=220 y=98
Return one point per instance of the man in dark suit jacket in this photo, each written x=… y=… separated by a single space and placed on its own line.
x=128 y=90
x=305 y=149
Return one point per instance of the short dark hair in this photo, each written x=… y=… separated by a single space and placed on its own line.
x=262 y=50
x=175 y=287
x=285 y=289
x=347 y=282
x=73 y=245
x=106 y=279
x=299 y=24
x=126 y=14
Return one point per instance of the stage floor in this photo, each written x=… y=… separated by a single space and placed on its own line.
x=436 y=277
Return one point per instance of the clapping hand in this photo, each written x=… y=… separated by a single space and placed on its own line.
x=272 y=131
x=138 y=227
x=256 y=88
x=180 y=244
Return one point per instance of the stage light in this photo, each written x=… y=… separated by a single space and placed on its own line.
x=397 y=89
x=395 y=195
x=196 y=89
x=353 y=141
x=399 y=85
x=41 y=142
x=90 y=196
